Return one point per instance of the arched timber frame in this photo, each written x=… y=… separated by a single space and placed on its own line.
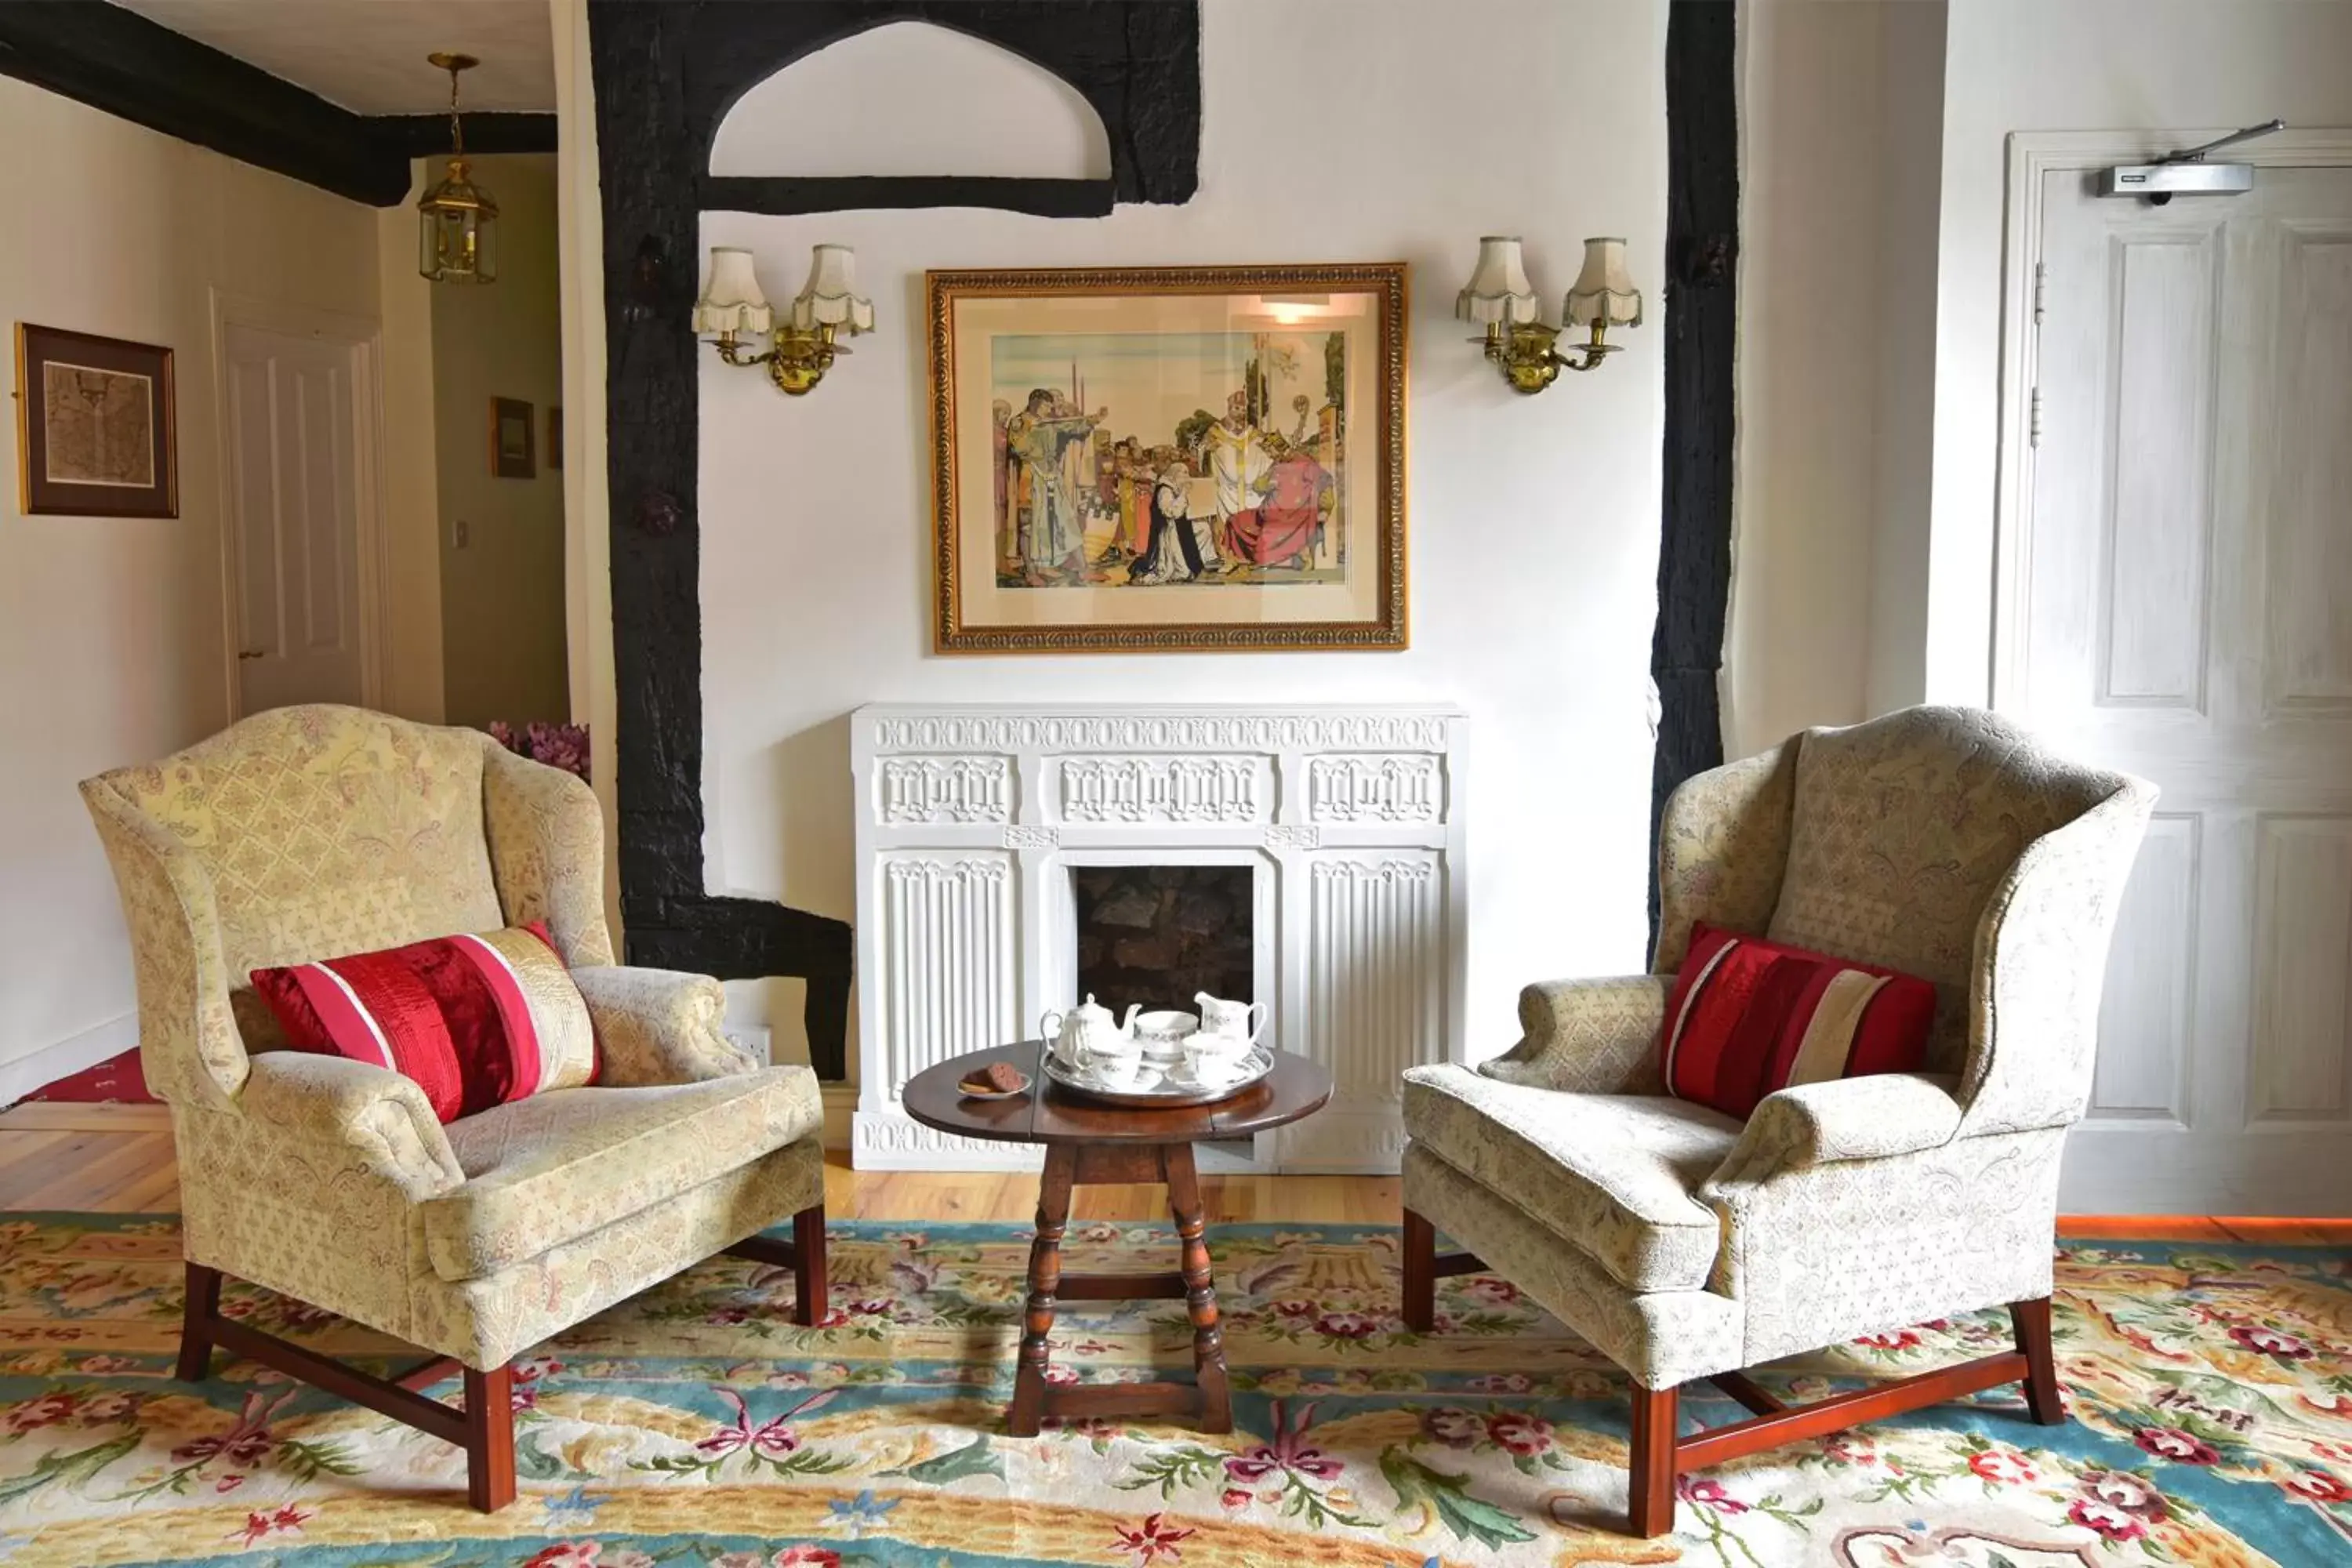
x=665 y=73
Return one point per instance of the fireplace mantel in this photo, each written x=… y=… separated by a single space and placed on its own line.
x=970 y=818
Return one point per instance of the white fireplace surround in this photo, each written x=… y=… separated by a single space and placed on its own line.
x=970 y=819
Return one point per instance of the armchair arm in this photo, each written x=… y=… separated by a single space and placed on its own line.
x=658 y=1026
x=1590 y=1037
x=380 y=1117
x=547 y=852
x=1870 y=1118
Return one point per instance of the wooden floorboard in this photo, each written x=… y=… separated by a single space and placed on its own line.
x=117 y=1159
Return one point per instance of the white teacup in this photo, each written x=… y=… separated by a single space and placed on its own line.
x=1213 y=1059
x=1162 y=1035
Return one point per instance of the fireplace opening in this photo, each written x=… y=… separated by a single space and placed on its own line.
x=1152 y=936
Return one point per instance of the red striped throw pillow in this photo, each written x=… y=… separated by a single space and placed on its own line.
x=476 y=1020
x=1748 y=1016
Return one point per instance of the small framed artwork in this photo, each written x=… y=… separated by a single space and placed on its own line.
x=1163 y=458
x=95 y=425
x=555 y=439
x=512 y=444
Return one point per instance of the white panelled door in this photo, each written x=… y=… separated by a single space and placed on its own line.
x=292 y=431
x=2182 y=608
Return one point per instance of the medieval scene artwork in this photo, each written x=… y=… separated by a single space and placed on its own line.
x=1110 y=469
x=1169 y=457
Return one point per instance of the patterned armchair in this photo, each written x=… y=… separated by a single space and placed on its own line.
x=1685 y=1244
x=310 y=833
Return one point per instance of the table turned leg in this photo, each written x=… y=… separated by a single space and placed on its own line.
x=1199 y=1290
x=1045 y=1280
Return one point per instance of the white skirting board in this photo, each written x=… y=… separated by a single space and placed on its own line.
x=969 y=820
x=63 y=1058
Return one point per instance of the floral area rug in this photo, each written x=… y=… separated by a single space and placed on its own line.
x=2212 y=1390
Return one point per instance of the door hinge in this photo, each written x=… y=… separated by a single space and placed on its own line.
x=2041 y=289
x=2033 y=418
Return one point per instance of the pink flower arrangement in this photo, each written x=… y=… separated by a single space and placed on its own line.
x=561 y=746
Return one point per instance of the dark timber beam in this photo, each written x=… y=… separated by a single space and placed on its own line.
x=1701 y=324
x=493 y=130
x=120 y=62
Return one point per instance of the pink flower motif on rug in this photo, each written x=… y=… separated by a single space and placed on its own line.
x=1152 y=1539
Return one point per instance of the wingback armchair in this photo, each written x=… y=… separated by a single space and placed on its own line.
x=1685 y=1244
x=316 y=832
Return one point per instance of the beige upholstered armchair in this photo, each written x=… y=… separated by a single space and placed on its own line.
x=317 y=832
x=1685 y=1244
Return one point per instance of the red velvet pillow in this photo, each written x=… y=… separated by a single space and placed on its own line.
x=1748 y=1016
x=477 y=1021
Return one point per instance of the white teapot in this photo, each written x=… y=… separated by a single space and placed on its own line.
x=1231 y=1020
x=1088 y=1033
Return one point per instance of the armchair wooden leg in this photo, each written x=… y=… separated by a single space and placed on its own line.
x=809 y=1304
x=1420 y=1274
x=2031 y=1321
x=1650 y=1466
x=196 y=1324
x=490 y=1438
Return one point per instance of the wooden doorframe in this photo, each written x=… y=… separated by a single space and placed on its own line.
x=2032 y=155
x=362 y=335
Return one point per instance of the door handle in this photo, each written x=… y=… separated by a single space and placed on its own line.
x=245 y=653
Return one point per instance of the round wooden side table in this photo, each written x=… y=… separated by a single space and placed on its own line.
x=1088 y=1142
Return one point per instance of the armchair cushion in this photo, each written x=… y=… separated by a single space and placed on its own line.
x=476 y=1020
x=1613 y=1175
x=1749 y=1017
x=550 y=1169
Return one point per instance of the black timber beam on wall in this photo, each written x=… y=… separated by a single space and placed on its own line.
x=1701 y=329
x=119 y=61
x=665 y=75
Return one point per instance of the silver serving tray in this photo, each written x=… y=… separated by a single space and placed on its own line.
x=1169 y=1091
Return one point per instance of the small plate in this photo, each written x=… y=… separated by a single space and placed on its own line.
x=970 y=1093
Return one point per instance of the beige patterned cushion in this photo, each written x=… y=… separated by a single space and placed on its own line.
x=1614 y=1174
x=552 y=1168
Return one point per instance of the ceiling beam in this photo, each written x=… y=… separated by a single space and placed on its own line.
x=117 y=60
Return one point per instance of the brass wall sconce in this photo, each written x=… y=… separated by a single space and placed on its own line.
x=1519 y=342
x=802 y=348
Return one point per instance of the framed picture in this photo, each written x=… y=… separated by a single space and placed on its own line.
x=1169 y=457
x=95 y=425
x=510 y=439
x=555 y=438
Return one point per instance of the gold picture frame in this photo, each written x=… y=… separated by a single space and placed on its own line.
x=97 y=426
x=1173 y=486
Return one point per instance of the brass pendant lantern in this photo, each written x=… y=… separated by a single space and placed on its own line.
x=458 y=223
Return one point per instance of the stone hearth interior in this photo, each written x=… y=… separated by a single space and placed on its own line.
x=1154 y=936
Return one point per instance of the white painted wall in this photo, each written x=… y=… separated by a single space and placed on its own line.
x=503 y=598
x=843 y=111
x=1333 y=132
x=1836 y=347
x=111 y=629
x=2067 y=65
